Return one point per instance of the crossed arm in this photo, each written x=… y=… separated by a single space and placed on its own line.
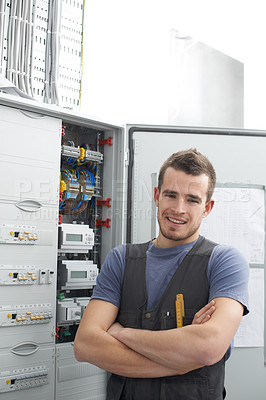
x=143 y=353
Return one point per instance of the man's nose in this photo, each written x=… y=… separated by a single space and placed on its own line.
x=179 y=206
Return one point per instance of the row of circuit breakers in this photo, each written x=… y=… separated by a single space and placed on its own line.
x=72 y=274
x=43 y=305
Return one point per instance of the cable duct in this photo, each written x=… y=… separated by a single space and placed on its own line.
x=30 y=45
x=52 y=53
x=19 y=43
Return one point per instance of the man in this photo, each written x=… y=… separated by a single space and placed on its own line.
x=129 y=327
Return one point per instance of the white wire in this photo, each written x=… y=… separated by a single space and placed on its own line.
x=10 y=40
x=47 y=95
x=2 y=26
x=9 y=45
x=22 y=47
x=31 y=38
x=54 y=56
x=16 y=48
x=27 y=42
x=28 y=25
x=56 y=46
x=51 y=51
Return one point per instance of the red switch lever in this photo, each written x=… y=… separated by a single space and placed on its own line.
x=106 y=223
x=104 y=202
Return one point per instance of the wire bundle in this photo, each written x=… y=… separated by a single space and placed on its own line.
x=19 y=43
x=32 y=56
x=52 y=53
x=78 y=185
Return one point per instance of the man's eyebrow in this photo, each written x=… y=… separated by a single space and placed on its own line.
x=167 y=191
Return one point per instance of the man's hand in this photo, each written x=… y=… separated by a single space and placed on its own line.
x=204 y=314
x=115 y=329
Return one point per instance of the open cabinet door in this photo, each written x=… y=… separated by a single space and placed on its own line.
x=238 y=156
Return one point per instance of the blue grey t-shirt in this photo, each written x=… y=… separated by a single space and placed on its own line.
x=227 y=273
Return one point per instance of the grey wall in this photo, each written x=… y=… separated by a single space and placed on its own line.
x=206 y=87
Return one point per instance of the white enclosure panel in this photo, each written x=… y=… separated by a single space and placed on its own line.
x=75 y=380
x=29 y=155
x=40 y=334
x=27 y=277
x=27 y=273
x=41 y=224
x=27 y=312
x=28 y=371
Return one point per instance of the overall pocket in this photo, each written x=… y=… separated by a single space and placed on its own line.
x=186 y=387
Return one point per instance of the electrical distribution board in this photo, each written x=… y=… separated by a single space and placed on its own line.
x=58 y=190
x=63 y=181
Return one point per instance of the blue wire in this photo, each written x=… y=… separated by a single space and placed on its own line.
x=61 y=205
x=76 y=206
x=69 y=178
x=69 y=174
x=88 y=172
x=92 y=177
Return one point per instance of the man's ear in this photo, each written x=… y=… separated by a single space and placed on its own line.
x=208 y=207
x=156 y=195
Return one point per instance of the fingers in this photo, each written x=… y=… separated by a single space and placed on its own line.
x=204 y=314
x=205 y=318
x=208 y=309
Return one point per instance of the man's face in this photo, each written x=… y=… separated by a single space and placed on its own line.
x=182 y=203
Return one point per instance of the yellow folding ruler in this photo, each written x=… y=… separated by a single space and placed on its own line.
x=180 y=310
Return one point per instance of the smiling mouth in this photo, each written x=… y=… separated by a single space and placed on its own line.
x=176 y=221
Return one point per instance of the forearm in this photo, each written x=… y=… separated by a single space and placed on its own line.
x=180 y=349
x=190 y=347
x=101 y=349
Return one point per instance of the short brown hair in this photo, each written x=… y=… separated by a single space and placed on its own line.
x=191 y=162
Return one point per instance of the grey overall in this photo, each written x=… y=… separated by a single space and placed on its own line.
x=190 y=279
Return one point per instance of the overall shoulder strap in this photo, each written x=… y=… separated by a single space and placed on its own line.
x=133 y=293
x=136 y=250
x=203 y=247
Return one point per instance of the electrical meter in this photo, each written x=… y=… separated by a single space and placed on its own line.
x=77 y=274
x=75 y=238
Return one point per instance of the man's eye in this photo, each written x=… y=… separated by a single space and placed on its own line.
x=193 y=201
